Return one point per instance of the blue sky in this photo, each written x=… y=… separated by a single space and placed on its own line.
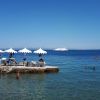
x=74 y=24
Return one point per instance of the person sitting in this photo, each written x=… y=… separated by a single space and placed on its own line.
x=41 y=60
x=24 y=59
x=10 y=55
x=41 y=63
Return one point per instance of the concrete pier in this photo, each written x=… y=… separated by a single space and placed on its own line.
x=25 y=69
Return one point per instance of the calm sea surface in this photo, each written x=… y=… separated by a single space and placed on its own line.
x=78 y=78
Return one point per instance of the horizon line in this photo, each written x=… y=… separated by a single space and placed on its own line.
x=50 y=48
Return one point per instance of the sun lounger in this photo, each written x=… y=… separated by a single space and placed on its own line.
x=12 y=61
x=3 y=61
x=8 y=62
x=25 y=63
x=33 y=63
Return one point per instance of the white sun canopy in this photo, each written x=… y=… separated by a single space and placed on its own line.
x=10 y=51
x=25 y=51
x=40 y=51
x=1 y=51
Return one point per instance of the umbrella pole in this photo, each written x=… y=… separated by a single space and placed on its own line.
x=0 y=55
x=24 y=59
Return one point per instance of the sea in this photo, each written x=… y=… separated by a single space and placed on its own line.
x=78 y=78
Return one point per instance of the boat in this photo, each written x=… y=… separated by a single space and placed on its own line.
x=61 y=49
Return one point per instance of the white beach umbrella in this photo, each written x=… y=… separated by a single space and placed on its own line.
x=10 y=51
x=1 y=51
x=40 y=51
x=25 y=51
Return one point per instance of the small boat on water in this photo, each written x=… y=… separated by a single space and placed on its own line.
x=61 y=49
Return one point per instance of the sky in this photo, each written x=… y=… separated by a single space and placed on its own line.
x=72 y=24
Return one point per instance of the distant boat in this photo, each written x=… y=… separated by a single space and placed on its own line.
x=61 y=49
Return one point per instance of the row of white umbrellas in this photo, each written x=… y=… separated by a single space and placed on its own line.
x=25 y=50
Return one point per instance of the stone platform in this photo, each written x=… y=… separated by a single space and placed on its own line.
x=25 y=69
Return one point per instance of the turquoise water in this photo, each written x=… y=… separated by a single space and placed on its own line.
x=76 y=80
